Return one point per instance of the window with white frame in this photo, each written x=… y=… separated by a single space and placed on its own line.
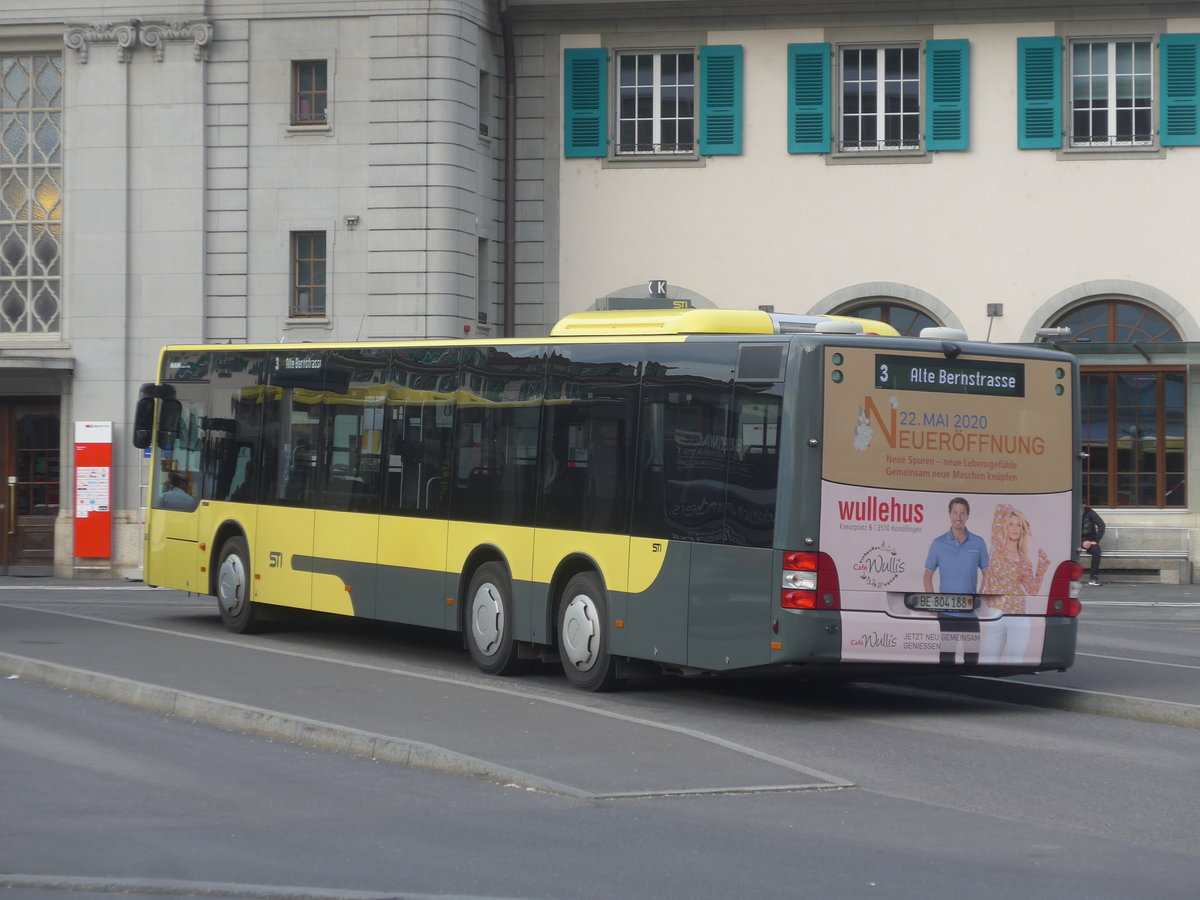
x=1123 y=93
x=1111 y=93
x=656 y=103
x=880 y=98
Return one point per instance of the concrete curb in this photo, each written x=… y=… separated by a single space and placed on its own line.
x=1096 y=703
x=269 y=724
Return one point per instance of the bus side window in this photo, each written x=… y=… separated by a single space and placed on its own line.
x=234 y=426
x=589 y=422
x=496 y=448
x=291 y=427
x=686 y=399
x=419 y=428
x=180 y=467
x=753 y=465
x=177 y=481
x=352 y=418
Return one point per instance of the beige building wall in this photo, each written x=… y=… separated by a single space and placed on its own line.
x=960 y=230
x=1038 y=231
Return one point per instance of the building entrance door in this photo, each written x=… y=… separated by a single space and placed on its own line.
x=29 y=484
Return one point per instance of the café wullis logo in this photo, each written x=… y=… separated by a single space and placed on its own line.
x=879 y=566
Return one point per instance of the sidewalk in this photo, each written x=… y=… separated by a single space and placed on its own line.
x=1141 y=592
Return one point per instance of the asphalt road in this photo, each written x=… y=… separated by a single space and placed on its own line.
x=1104 y=803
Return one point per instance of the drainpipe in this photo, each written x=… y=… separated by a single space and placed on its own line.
x=510 y=172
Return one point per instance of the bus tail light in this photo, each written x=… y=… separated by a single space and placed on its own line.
x=1064 y=590
x=810 y=581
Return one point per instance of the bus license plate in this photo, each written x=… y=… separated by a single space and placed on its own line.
x=955 y=602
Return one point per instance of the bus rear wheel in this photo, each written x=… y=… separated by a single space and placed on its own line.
x=489 y=624
x=583 y=635
x=238 y=611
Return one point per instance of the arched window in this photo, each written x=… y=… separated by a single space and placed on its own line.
x=1134 y=418
x=1118 y=321
x=905 y=319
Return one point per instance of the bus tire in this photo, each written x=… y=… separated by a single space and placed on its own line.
x=489 y=621
x=238 y=611
x=583 y=635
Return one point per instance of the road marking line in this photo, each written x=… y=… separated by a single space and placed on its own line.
x=1149 y=662
x=832 y=780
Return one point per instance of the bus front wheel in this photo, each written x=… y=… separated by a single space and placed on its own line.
x=489 y=624
x=238 y=611
x=583 y=635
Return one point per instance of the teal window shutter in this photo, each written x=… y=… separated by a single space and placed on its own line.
x=808 y=99
x=1180 y=65
x=720 y=100
x=947 y=95
x=1039 y=93
x=585 y=92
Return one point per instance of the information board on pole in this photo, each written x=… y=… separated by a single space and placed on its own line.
x=93 y=490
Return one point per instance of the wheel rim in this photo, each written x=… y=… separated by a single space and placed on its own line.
x=231 y=584
x=581 y=632
x=487 y=618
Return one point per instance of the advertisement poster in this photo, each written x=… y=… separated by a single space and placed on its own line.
x=946 y=503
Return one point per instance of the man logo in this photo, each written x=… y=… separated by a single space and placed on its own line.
x=276 y=559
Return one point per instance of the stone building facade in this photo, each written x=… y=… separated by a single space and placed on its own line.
x=222 y=171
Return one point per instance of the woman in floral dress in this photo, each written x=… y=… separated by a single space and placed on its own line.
x=1008 y=580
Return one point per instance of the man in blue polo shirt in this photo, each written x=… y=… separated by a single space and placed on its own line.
x=959 y=556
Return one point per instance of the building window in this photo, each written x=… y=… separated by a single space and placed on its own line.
x=676 y=105
x=881 y=99
x=1110 y=92
x=1111 y=96
x=656 y=101
x=1133 y=419
x=905 y=319
x=485 y=103
x=310 y=92
x=308 y=274
x=887 y=99
x=31 y=123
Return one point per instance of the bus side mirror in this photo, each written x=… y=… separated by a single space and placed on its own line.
x=143 y=416
x=169 y=414
x=143 y=422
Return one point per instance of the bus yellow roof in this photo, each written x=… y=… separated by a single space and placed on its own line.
x=665 y=321
x=700 y=321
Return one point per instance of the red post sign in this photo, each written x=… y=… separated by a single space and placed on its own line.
x=93 y=490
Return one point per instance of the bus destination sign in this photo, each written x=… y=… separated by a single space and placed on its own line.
x=949 y=376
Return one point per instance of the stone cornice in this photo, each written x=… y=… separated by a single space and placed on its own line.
x=152 y=35
x=80 y=38
x=199 y=34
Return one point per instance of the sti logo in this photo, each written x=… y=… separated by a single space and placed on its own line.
x=276 y=559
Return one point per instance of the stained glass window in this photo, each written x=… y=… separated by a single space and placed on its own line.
x=30 y=193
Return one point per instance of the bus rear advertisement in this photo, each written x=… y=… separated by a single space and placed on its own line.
x=703 y=491
x=947 y=478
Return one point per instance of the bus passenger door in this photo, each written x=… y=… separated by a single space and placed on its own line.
x=349 y=472
x=411 y=581
x=282 y=552
x=176 y=559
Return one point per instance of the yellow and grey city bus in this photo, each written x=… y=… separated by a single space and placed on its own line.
x=703 y=490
